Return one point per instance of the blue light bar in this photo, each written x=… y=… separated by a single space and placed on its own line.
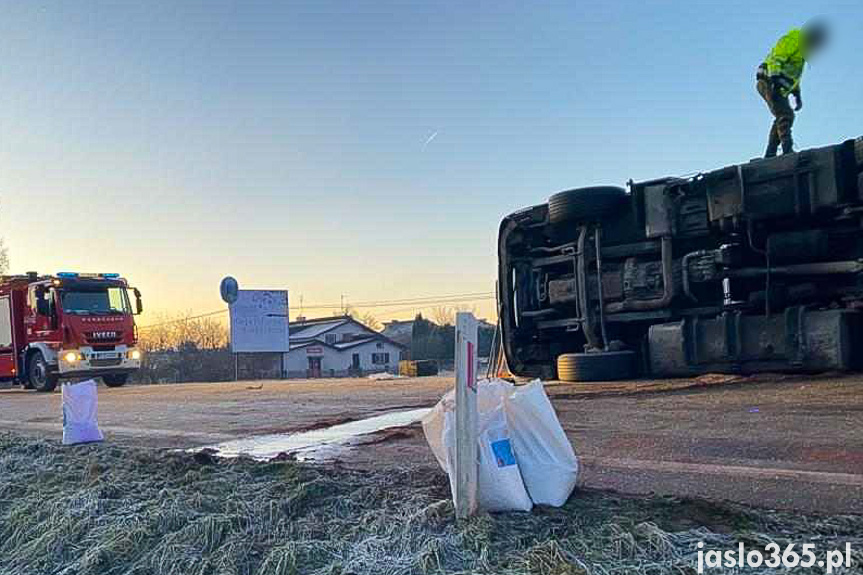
x=110 y=276
x=67 y=275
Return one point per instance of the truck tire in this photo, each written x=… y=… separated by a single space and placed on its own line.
x=118 y=380
x=585 y=204
x=38 y=374
x=597 y=366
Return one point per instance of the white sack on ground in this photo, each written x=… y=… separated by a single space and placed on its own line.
x=80 y=411
x=499 y=483
x=545 y=456
x=433 y=427
x=490 y=395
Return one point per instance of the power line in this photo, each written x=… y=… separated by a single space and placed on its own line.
x=422 y=299
x=184 y=319
x=412 y=303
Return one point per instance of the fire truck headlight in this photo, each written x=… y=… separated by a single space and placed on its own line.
x=72 y=357
x=135 y=354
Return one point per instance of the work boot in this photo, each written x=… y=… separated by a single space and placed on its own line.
x=787 y=145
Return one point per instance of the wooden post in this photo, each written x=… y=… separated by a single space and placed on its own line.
x=466 y=447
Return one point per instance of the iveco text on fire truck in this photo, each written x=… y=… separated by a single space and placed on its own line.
x=67 y=326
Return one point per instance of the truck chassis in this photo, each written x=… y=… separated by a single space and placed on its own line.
x=749 y=268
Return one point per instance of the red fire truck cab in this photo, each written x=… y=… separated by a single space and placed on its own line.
x=67 y=326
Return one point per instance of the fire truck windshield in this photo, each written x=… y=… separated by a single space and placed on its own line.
x=95 y=300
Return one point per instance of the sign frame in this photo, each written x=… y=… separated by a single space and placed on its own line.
x=262 y=313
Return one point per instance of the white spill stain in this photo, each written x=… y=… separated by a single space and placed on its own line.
x=306 y=444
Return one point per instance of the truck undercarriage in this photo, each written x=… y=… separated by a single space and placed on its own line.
x=753 y=267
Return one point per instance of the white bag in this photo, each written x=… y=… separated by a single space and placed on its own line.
x=519 y=419
x=490 y=395
x=499 y=483
x=80 y=410
x=434 y=424
x=545 y=456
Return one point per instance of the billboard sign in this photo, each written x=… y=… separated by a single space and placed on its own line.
x=259 y=321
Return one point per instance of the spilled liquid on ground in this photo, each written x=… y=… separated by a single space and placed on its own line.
x=313 y=444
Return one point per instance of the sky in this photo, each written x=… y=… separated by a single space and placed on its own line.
x=366 y=149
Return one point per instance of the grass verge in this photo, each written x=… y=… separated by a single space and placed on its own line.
x=110 y=510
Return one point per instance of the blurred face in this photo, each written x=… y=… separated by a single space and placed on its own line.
x=816 y=38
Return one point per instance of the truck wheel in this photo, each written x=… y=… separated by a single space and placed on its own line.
x=597 y=366
x=116 y=380
x=38 y=374
x=585 y=204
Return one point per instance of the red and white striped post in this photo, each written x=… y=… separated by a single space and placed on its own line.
x=466 y=447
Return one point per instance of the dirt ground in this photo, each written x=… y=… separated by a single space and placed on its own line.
x=769 y=441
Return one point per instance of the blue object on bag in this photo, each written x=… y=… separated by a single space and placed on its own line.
x=503 y=454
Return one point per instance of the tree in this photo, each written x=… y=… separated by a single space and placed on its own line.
x=370 y=321
x=182 y=348
x=367 y=319
x=445 y=315
x=4 y=257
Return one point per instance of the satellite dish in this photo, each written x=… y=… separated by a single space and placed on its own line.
x=229 y=289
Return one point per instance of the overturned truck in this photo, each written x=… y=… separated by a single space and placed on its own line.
x=753 y=267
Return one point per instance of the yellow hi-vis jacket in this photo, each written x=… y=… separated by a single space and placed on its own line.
x=785 y=62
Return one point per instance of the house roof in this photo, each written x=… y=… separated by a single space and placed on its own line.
x=307 y=331
x=344 y=345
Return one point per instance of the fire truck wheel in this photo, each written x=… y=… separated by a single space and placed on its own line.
x=38 y=374
x=115 y=380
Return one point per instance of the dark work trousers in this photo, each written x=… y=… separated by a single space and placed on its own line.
x=780 y=131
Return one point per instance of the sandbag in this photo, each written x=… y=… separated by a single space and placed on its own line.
x=545 y=456
x=515 y=424
x=490 y=395
x=433 y=427
x=499 y=482
x=80 y=411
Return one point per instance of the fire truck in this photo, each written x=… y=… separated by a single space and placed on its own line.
x=68 y=326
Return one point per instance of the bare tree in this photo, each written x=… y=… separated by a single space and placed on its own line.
x=370 y=321
x=442 y=315
x=182 y=348
x=175 y=332
x=445 y=315
x=367 y=319
x=4 y=257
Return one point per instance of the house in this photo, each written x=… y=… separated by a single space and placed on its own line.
x=339 y=347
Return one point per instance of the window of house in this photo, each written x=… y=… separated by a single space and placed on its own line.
x=380 y=358
x=331 y=338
